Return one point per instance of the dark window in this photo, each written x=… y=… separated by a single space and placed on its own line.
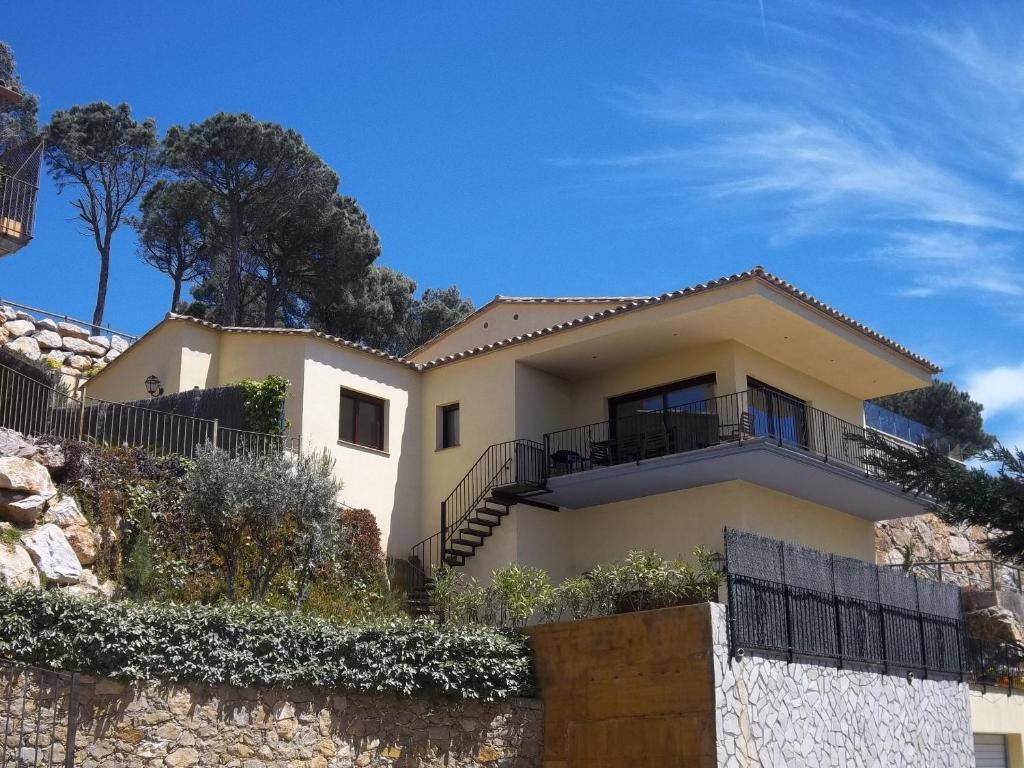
x=657 y=399
x=449 y=425
x=777 y=414
x=362 y=420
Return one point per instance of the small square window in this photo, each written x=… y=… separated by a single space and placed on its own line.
x=362 y=420
x=449 y=425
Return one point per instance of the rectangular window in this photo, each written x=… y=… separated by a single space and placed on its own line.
x=449 y=425
x=777 y=414
x=362 y=420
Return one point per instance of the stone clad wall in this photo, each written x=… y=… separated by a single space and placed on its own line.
x=195 y=725
x=773 y=713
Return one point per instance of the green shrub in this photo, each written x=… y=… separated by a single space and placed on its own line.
x=260 y=516
x=247 y=645
x=363 y=558
x=518 y=595
x=264 y=401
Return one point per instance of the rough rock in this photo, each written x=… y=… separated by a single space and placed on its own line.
x=100 y=341
x=21 y=314
x=82 y=347
x=7 y=313
x=90 y=586
x=13 y=443
x=79 y=362
x=5 y=335
x=20 y=507
x=84 y=542
x=16 y=567
x=995 y=623
x=57 y=355
x=53 y=555
x=18 y=328
x=26 y=346
x=46 y=324
x=70 y=329
x=64 y=512
x=118 y=343
x=111 y=356
x=21 y=474
x=48 y=339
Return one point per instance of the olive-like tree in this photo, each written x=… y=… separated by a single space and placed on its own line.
x=17 y=118
x=109 y=158
x=176 y=233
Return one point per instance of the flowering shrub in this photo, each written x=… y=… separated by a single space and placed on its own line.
x=249 y=645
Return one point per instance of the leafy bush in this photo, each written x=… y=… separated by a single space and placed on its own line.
x=646 y=580
x=134 y=498
x=263 y=514
x=517 y=594
x=264 y=401
x=247 y=645
x=364 y=557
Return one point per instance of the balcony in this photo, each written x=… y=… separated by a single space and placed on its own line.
x=756 y=435
x=19 y=176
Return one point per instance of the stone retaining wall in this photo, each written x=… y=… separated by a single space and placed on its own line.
x=771 y=712
x=70 y=347
x=195 y=725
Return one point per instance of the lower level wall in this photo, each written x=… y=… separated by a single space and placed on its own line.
x=773 y=713
x=196 y=725
x=994 y=712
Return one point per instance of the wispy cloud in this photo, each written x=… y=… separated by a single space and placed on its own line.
x=911 y=135
x=941 y=261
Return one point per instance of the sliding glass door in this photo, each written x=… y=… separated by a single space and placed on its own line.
x=777 y=414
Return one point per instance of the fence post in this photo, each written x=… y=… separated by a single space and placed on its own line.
x=69 y=742
x=920 y=625
x=881 y=618
x=81 y=410
x=785 y=600
x=215 y=424
x=835 y=603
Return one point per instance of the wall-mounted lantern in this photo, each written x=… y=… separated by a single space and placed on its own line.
x=718 y=562
x=153 y=386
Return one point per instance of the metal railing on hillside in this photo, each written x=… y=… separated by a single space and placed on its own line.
x=515 y=463
x=38 y=716
x=43 y=314
x=983 y=575
x=38 y=409
x=733 y=418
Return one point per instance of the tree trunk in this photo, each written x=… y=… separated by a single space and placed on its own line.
x=101 y=289
x=176 y=293
x=231 y=293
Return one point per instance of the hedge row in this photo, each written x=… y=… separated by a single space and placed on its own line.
x=259 y=647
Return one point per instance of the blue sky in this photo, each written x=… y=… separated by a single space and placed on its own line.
x=873 y=154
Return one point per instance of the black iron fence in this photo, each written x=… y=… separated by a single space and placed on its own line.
x=800 y=602
x=733 y=418
x=996 y=664
x=30 y=405
x=38 y=716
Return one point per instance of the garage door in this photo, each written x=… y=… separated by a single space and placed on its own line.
x=989 y=750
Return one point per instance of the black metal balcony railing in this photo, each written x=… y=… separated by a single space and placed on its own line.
x=733 y=418
x=19 y=177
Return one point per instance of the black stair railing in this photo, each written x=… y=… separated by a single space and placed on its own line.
x=517 y=465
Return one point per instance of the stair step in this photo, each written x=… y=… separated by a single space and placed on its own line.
x=463 y=542
x=474 y=532
x=455 y=560
x=481 y=521
x=492 y=512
